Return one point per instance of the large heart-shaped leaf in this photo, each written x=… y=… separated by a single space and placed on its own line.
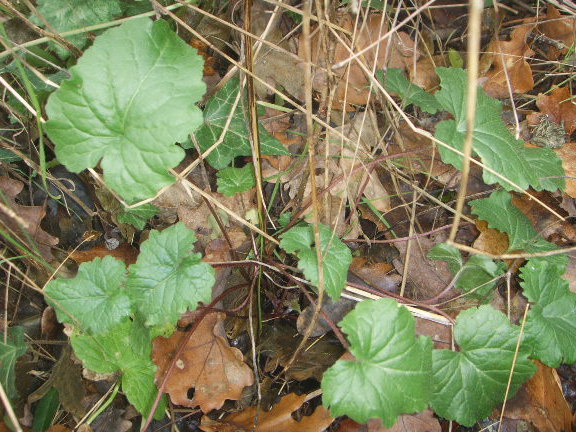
x=391 y=372
x=131 y=97
x=470 y=383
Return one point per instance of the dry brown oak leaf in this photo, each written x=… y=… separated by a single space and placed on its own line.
x=354 y=86
x=278 y=419
x=509 y=65
x=23 y=222
x=208 y=364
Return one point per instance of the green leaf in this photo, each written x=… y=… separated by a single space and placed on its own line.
x=8 y=156
x=138 y=216
x=493 y=142
x=236 y=180
x=96 y=299
x=168 y=278
x=14 y=347
x=474 y=275
x=63 y=15
x=285 y=219
x=126 y=348
x=504 y=216
x=391 y=373
x=237 y=139
x=131 y=97
x=448 y=253
x=336 y=256
x=455 y=58
x=46 y=410
x=410 y=93
x=551 y=322
x=470 y=383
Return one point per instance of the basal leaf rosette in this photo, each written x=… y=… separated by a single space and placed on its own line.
x=391 y=371
x=131 y=97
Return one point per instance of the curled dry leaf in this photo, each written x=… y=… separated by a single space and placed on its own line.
x=277 y=419
x=560 y=28
x=353 y=86
x=23 y=222
x=509 y=65
x=208 y=364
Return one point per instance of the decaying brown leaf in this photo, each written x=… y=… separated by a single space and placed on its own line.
x=423 y=72
x=277 y=419
x=420 y=422
x=124 y=252
x=547 y=225
x=208 y=364
x=568 y=156
x=540 y=401
x=560 y=107
x=490 y=240
x=376 y=274
x=426 y=277
x=509 y=65
x=560 y=28
x=354 y=86
x=278 y=342
x=23 y=222
x=202 y=221
x=426 y=158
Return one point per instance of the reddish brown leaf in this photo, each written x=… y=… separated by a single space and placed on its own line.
x=208 y=364
x=490 y=240
x=558 y=27
x=509 y=65
x=423 y=73
x=24 y=221
x=560 y=107
x=124 y=252
x=376 y=274
x=541 y=402
x=277 y=419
